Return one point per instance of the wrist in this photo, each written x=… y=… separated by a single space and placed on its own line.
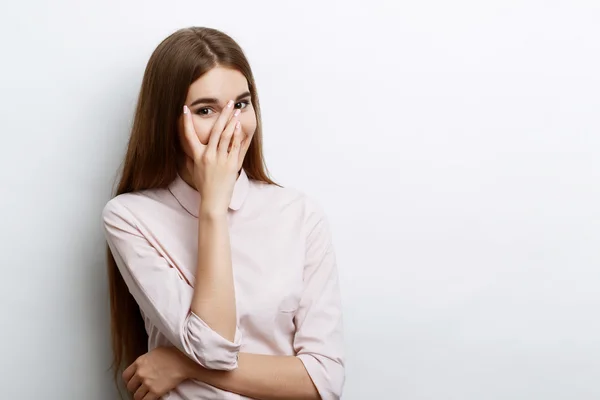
x=211 y=213
x=186 y=368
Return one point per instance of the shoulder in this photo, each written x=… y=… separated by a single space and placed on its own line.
x=289 y=199
x=127 y=207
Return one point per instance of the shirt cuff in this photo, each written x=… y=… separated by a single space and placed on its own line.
x=215 y=352
x=326 y=374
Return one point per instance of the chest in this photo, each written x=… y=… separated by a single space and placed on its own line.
x=267 y=259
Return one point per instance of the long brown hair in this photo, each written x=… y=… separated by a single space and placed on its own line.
x=154 y=149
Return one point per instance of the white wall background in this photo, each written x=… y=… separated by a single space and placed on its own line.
x=454 y=145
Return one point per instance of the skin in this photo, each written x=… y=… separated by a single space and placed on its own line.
x=223 y=84
x=214 y=151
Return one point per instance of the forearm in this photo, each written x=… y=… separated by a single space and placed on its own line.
x=214 y=296
x=261 y=377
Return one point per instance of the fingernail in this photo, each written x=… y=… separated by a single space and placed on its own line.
x=185 y=109
x=230 y=103
x=236 y=113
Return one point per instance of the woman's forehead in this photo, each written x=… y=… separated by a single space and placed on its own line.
x=220 y=83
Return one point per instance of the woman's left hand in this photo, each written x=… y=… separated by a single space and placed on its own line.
x=155 y=373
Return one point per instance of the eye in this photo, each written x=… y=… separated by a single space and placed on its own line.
x=207 y=111
x=245 y=103
x=204 y=111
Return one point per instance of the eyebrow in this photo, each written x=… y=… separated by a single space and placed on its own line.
x=212 y=100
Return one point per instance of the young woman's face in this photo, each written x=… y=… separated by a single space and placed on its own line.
x=208 y=96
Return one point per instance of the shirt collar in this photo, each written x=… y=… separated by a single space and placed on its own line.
x=189 y=198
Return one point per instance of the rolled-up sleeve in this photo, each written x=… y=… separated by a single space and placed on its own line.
x=319 y=334
x=163 y=294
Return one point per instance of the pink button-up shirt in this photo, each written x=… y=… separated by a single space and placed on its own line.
x=285 y=277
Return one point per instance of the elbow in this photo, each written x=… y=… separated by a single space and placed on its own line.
x=218 y=362
x=207 y=348
x=327 y=375
x=314 y=396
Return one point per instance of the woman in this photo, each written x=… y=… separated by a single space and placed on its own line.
x=223 y=285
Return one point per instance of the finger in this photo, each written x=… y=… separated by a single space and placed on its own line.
x=244 y=146
x=236 y=143
x=237 y=135
x=219 y=126
x=141 y=392
x=190 y=133
x=227 y=135
x=129 y=372
x=134 y=383
x=150 y=396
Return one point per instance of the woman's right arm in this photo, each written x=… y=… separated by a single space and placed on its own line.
x=214 y=295
x=201 y=321
x=163 y=293
x=214 y=171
